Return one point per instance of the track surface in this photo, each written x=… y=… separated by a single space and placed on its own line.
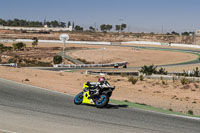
x=27 y=109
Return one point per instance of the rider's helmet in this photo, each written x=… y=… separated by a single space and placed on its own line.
x=101 y=79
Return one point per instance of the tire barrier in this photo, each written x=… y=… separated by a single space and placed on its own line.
x=124 y=63
x=113 y=73
x=11 y=64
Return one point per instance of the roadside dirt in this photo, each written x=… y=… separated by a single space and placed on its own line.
x=169 y=95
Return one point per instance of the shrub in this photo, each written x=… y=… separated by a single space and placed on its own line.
x=184 y=81
x=162 y=71
x=164 y=82
x=190 y=112
x=133 y=80
x=148 y=70
x=57 y=59
x=196 y=72
x=4 y=48
x=174 y=79
x=12 y=60
x=35 y=42
x=141 y=77
x=19 y=46
x=123 y=74
x=1 y=47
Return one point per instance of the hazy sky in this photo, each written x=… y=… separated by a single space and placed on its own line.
x=139 y=15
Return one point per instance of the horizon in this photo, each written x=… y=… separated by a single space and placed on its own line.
x=140 y=15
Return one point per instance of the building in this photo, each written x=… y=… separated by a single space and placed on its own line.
x=44 y=29
x=197 y=33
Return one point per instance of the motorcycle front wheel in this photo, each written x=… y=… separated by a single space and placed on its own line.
x=78 y=99
x=102 y=101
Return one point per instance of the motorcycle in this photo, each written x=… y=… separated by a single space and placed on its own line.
x=94 y=94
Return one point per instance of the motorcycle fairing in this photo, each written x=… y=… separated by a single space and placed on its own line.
x=86 y=95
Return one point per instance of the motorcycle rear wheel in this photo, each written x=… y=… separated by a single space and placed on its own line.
x=102 y=101
x=78 y=99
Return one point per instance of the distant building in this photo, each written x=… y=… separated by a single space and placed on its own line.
x=197 y=33
x=46 y=28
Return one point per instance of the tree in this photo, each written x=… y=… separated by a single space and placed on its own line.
x=105 y=27
x=123 y=26
x=91 y=28
x=117 y=27
x=69 y=24
x=19 y=46
x=187 y=33
x=62 y=24
x=73 y=25
x=57 y=59
x=120 y=27
x=174 y=33
x=108 y=27
x=78 y=28
x=48 y=24
x=54 y=23
x=35 y=42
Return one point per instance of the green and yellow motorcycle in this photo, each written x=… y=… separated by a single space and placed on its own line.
x=94 y=94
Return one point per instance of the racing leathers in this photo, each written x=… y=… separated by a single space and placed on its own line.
x=95 y=87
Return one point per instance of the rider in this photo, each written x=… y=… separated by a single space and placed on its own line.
x=102 y=83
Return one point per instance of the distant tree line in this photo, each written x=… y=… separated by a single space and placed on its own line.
x=183 y=33
x=20 y=22
x=26 y=23
x=108 y=27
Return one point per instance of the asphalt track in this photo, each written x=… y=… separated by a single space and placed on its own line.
x=28 y=109
x=197 y=52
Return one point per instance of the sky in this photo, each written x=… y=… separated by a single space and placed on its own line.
x=139 y=15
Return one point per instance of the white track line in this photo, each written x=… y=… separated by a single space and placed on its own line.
x=6 y=131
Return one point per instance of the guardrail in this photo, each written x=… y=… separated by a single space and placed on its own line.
x=161 y=43
x=11 y=64
x=91 y=65
x=113 y=73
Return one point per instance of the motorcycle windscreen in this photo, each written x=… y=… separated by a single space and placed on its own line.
x=86 y=95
